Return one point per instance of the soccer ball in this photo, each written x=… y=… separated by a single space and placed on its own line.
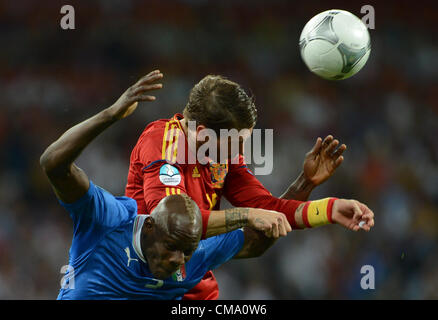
x=335 y=44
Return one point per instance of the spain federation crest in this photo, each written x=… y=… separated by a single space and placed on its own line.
x=218 y=173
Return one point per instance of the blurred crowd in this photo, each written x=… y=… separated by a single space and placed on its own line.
x=387 y=115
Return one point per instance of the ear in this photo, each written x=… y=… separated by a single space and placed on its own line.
x=149 y=223
x=199 y=128
x=202 y=135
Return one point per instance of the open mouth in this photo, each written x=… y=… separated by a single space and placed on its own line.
x=167 y=272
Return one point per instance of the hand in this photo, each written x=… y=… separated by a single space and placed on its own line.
x=321 y=162
x=128 y=101
x=352 y=214
x=273 y=224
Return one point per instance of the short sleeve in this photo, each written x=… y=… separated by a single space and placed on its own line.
x=219 y=249
x=96 y=213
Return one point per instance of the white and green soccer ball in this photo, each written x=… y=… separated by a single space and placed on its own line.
x=335 y=44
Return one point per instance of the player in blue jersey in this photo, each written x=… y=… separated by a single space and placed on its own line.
x=116 y=254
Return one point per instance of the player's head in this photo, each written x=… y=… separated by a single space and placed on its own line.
x=171 y=234
x=217 y=103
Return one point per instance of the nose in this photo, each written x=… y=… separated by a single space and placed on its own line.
x=177 y=259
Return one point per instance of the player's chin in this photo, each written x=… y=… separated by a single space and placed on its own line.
x=162 y=273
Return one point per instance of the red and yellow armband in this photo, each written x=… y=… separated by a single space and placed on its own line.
x=315 y=213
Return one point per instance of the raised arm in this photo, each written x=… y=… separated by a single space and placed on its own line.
x=68 y=181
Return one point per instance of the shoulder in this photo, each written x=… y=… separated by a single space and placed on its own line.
x=216 y=250
x=222 y=240
x=161 y=129
x=239 y=161
x=239 y=165
x=99 y=209
x=129 y=204
x=112 y=211
x=160 y=140
x=155 y=130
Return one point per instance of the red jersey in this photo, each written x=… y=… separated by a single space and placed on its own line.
x=159 y=167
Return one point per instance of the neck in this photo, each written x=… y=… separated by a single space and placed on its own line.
x=184 y=125
x=143 y=241
x=192 y=147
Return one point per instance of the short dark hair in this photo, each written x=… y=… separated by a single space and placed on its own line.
x=178 y=210
x=219 y=103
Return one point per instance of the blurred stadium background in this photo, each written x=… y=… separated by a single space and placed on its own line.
x=387 y=115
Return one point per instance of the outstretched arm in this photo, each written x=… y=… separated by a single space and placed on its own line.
x=351 y=214
x=320 y=164
x=272 y=223
x=68 y=181
x=242 y=189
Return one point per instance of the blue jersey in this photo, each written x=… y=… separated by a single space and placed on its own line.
x=103 y=263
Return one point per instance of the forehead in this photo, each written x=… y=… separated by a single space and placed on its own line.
x=182 y=235
x=181 y=243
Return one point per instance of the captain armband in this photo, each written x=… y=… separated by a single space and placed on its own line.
x=317 y=213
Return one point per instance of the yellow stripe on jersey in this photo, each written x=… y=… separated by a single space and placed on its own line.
x=178 y=123
x=175 y=146
x=170 y=191
x=170 y=141
x=212 y=201
x=169 y=147
x=163 y=150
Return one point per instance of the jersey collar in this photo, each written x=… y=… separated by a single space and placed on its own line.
x=136 y=235
x=177 y=117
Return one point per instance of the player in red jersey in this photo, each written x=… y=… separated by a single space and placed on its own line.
x=160 y=165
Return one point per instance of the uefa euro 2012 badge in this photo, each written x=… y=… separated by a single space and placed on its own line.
x=169 y=175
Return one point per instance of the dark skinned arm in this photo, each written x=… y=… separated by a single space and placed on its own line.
x=255 y=244
x=69 y=181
